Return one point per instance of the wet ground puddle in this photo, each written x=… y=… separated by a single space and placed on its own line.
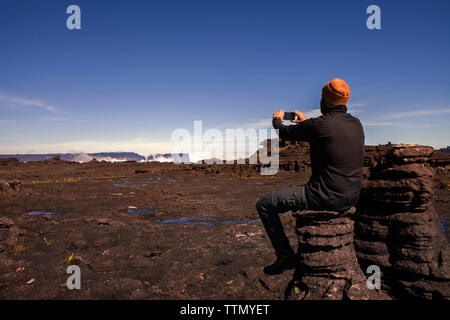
x=131 y=183
x=207 y=221
x=57 y=212
x=142 y=211
x=444 y=225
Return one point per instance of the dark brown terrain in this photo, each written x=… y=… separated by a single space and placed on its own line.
x=148 y=230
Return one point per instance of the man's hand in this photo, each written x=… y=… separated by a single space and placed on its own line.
x=301 y=116
x=279 y=114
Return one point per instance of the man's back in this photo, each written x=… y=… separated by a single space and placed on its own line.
x=337 y=155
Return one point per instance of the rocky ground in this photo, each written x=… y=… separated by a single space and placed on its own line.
x=122 y=230
x=142 y=230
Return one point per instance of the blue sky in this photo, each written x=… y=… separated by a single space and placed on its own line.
x=137 y=70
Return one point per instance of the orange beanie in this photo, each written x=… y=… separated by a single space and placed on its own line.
x=336 y=92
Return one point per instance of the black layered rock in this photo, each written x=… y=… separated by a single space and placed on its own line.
x=397 y=227
x=327 y=267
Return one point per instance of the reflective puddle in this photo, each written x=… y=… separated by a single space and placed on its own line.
x=57 y=212
x=130 y=183
x=190 y=221
x=208 y=221
x=241 y=221
x=143 y=211
x=444 y=225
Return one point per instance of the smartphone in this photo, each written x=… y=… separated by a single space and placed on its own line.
x=290 y=116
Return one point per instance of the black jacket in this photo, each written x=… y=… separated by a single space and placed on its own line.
x=337 y=155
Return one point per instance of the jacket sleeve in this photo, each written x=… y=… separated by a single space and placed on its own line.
x=303 y=131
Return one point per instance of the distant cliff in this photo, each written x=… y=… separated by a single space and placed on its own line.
x=78 y=157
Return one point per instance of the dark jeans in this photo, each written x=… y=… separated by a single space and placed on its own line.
x=275 y=203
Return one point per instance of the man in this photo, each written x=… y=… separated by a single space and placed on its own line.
x=337 y=153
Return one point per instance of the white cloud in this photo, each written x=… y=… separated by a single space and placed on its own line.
x=54 y=119
x=5 y=122
x=357 y=104
x=387 y=119
x=27 y=103
x=140 y=146
x=382 y=123
x=313 y=113
x=265 y=123
x=416 y=113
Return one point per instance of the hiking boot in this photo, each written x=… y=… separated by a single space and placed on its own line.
x=283 y=262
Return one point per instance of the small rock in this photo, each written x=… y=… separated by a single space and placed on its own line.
x=6 y=222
